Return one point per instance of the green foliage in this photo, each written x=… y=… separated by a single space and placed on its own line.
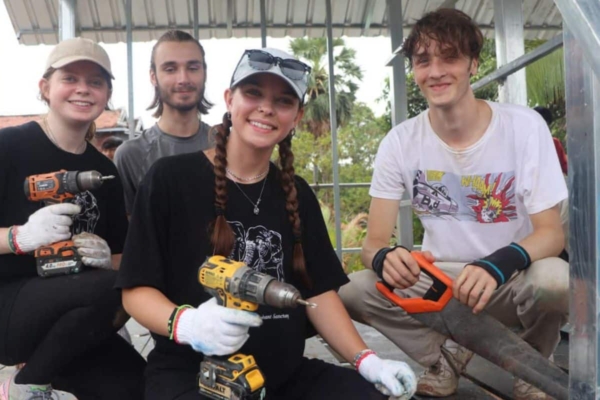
x=347 y=76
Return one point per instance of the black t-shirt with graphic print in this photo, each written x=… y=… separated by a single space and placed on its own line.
x=168 y=240
x=26 y=150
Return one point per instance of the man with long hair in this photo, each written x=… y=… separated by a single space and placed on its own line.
x=178 y=74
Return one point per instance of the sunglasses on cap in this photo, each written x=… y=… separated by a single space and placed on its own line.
x=263 y=61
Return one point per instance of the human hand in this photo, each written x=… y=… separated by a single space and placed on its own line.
x=94 y=250
x=474 y=287
x=392 y=378
x=212 y=329
x=401 y=270
x=47 y=225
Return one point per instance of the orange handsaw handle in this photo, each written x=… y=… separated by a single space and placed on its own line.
x=436 y=297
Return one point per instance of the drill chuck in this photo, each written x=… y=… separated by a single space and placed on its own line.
x=90 y=180
x=250 y=285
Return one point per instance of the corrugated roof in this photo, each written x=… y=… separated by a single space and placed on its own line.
x=36 y=21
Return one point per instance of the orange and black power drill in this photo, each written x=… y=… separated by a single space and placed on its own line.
x=53 y=188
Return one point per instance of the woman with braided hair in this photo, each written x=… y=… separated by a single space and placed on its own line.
x=233 y=201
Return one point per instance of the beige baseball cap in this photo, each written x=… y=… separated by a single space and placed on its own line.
x=78 y=49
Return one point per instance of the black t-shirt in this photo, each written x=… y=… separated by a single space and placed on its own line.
x=26 y=150
x=169 y=238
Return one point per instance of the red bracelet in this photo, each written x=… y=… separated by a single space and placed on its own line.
x=15 y=230
x=361 y=356
x=179 y=314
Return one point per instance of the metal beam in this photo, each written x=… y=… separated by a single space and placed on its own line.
x=582 y=78
x=399 y=112
x=130 y=109
x=67 y=19
x=368 y=13
x=120 y=29
x=229 y=18
x=583 y=142
x=508 y=19
x=263 y=24
x=521 y=62
x=333 y=125
x=583 y=19
x=195 y=26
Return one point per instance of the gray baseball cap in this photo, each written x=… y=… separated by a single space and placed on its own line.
x=78 y=49
x=275 y=62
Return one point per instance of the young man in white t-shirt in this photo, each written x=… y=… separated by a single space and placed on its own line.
x=485 y=182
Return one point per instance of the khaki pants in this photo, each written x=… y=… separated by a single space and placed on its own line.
x=535 y=301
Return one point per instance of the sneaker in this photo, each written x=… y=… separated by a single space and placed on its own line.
x=441 y=379
x=525 y=391
x=9 y=390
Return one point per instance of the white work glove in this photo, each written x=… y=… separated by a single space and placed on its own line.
x=47 y=225
x=212 y=329
x=392 y=378
x=94 y=250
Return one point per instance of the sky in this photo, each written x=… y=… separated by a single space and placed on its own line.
x=22 y=67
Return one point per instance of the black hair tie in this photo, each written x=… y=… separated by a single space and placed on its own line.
x=219 y=211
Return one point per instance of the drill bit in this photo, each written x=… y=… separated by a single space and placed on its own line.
x=306 y=303
x=107 y=177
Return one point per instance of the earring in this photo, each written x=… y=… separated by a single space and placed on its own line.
x=292 y=132
x=228 y=114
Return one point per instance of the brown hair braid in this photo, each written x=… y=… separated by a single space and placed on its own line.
x=286 y=159
x=222 y=236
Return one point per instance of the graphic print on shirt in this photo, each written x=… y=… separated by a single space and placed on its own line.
x=87 y=219
x=259 y=248
x=487 y=198
x=495 y=199
x=432 y=198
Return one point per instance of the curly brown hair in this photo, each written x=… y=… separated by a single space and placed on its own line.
x=453 y=30
x=223 y=237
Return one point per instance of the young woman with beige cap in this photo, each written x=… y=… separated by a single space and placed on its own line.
x=64 y=327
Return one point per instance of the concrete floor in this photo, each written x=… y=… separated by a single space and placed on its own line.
x=480 y=371
x=315 y=348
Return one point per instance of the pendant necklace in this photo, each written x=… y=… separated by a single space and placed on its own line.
x=256 y=209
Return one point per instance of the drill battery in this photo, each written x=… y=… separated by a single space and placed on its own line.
x=61 y=258
x=234 y=378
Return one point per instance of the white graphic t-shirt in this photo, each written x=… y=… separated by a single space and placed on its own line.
x=475 y=200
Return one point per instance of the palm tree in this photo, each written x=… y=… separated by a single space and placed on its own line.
x=347 y=73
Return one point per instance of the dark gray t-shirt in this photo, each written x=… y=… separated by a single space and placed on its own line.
x=135 y=157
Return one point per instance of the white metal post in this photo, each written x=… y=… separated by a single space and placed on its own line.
x=67 y=19
x=399 y=109
x=508 y=22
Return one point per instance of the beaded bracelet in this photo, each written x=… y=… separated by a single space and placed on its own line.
x=360 y=356
x=11 y=246
x=171 y=325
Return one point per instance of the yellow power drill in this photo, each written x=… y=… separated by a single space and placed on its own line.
x=236 y=286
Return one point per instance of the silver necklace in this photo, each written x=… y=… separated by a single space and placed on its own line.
x=256 y=209
x=246 y=179
x=53 y=139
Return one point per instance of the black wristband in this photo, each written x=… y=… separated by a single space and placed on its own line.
x=379 y=258
x=503 y=262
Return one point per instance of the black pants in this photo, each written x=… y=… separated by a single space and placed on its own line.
x=64 y=329
x=313 y=380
